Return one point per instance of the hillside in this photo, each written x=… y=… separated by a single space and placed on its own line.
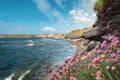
x=17 y=36
x=74 y=34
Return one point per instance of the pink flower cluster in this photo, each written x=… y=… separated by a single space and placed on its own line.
x=106 y=52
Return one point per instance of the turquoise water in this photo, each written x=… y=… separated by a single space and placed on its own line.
x=25 y=59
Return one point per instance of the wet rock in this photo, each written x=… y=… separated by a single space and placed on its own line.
x=83 y=44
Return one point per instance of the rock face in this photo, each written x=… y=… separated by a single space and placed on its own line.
x=109 y=17
x=93 y=34
x=83 y=44
x=108 y=21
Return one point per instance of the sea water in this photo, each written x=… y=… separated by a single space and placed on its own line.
x=26 y=59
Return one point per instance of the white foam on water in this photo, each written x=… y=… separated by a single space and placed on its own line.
x=30 y=41
x=31 y=44
x=74 y=46
x=54 y=40
x=23 y=75
x=50 y=39
x=10 y=77
x=69 y=50
x=68 y=57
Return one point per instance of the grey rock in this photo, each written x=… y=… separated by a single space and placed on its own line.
x=93 y=34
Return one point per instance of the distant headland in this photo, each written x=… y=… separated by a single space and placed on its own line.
x=56 y=36
x=74 y=34
x=15 y=36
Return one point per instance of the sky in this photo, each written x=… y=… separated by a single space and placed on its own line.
x=45 y=16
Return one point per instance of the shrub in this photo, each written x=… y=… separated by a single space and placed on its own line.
x=99 y=5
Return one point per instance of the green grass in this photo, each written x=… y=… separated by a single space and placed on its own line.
x=99 y=5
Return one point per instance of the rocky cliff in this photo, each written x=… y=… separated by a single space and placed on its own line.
x=108 y=21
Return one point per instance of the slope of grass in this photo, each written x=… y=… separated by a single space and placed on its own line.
x=99 y=5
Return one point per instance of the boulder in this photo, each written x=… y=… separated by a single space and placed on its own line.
x=94 y=34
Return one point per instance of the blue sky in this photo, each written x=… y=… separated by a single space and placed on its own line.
x=45 y=16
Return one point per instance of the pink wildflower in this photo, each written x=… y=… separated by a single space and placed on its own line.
x=67 y=60
x=81 y=53
x=102 y=56
x=110 y=51
x=116 y=42
x=49 y=70
x=113 y=68
x=52 y=77
x=98 y=73
x=72 y=59
x=98 y=43
x=110 y=38
x=114 y=39
x=115 y=60
x=104 y=44
x=113 y=55
x=118 y=51
x=97 y=47
x=75 y=55
x=112 y=44
x=95 y=60
x=99 y=51
x=97 y=78
x=71 y=64
x=73 y=78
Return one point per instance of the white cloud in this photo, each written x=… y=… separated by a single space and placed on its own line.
x=81 y=17
x=48 y=29
x=89 y=5
x=83 y=14
x=45 y=7
x=60 y=3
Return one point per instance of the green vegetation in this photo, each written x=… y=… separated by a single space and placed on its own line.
x=99 y=5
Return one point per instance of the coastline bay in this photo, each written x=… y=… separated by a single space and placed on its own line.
x=26 y=58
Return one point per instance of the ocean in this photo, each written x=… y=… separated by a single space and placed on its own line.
x=26 y=59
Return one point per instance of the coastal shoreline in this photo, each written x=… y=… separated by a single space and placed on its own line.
x=80 y=47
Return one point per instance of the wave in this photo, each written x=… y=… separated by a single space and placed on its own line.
x=23 y=75
x=54 y=40
x=74 y=46
x=29 y=44
x=10 y=77
x=30 y=41
x=68 y=57
x=69 y=50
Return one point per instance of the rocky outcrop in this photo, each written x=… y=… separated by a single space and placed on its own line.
x=108 y=21
x=83 y=44
x=93 y=34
